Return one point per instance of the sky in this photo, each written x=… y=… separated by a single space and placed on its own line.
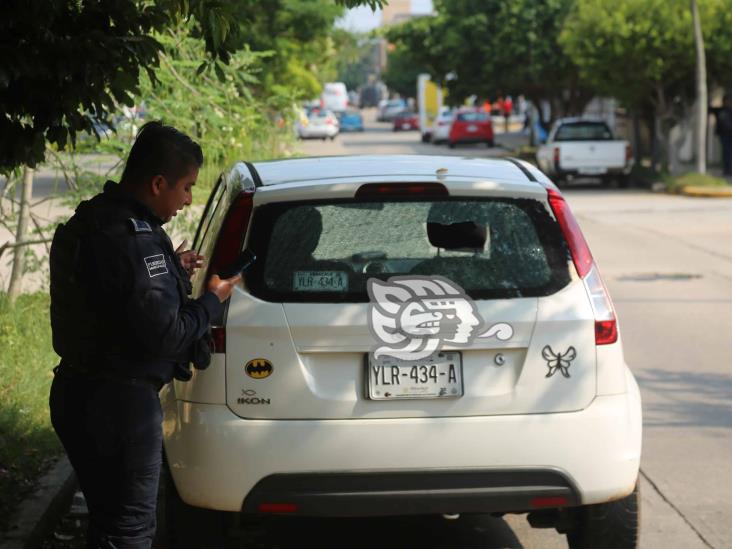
x=362 y=19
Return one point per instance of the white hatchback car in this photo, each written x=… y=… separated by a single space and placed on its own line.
x=419 y=335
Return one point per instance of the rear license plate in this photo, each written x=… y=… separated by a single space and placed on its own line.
x=472 y=128
x=592 y=171
x=406 y=125
x=437 y=376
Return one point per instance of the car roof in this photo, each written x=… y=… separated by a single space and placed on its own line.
x=383 y=167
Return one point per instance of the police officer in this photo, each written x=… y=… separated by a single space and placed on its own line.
x=124 y=326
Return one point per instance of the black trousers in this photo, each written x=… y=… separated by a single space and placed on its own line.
x=112 y=432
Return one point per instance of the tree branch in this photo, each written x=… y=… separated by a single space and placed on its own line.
x=9 y=245
x=34 y=219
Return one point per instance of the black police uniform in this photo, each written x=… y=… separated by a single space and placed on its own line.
x=105 y=407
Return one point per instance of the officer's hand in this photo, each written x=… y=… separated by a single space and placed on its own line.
x=189 y=258
x=223 y=287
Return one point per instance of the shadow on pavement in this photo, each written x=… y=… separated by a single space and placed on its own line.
x=689 y=398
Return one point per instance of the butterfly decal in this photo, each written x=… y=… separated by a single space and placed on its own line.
x=558 y=361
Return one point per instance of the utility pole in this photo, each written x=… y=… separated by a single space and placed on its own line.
x=701 y=92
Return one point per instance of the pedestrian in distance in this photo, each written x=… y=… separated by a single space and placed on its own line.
x=124 y=326
x=724 y=131
x=507 y=110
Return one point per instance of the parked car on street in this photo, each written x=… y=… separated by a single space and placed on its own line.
x=418 y=335
x=389 y=109
x=583 y=148
x=319 y=124
x=351 y=121
x=471 y=126
x=405 y=121
x=441 y=125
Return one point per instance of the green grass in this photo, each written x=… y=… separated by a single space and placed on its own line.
x=694 y=179
x=28 y=443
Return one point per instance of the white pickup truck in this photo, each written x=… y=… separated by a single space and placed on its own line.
x=583 y=148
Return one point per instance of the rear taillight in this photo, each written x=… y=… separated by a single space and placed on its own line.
x=556 y=158
x=606 y=326
x=227 y=249
x=233 y=230
x=380 y=190
x=628 y=154
x=218 y=333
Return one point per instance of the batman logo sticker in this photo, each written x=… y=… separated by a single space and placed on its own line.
x=259 y=368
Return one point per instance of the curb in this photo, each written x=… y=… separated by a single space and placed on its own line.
x=707 y=192
x=40 y=511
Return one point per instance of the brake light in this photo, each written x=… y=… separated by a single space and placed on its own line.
x=374 y=190
x=578 y=247
x=556 y=158
x=628 y=154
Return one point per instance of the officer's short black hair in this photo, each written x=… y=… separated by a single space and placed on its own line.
x=161 y=150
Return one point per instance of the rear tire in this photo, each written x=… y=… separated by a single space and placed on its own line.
x=612 y=525
x=490 y=144
x=182 y=526
x=451 y=144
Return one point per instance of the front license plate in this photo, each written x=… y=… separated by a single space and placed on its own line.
x=472 y=128
x=438 y=376
x=406 y=125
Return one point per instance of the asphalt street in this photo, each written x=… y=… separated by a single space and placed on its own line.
x=667 y=261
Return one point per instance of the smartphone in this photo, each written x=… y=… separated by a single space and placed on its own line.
x=240 y=265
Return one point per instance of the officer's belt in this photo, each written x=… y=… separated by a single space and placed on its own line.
x=67 y=370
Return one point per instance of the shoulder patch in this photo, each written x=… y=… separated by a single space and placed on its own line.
x=140 y=226
x=156 y=265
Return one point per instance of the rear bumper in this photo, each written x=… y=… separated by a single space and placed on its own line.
x=411 y=492
x=217 y=459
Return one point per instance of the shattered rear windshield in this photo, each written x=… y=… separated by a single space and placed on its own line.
x=327 y=251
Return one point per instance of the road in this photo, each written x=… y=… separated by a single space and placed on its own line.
x=667 y=261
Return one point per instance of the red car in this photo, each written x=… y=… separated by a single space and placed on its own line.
x=471 y=127
x=406 y=121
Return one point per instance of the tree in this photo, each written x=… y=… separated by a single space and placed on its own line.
x=402 y=70
x=492 y=47
x=643 y=54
